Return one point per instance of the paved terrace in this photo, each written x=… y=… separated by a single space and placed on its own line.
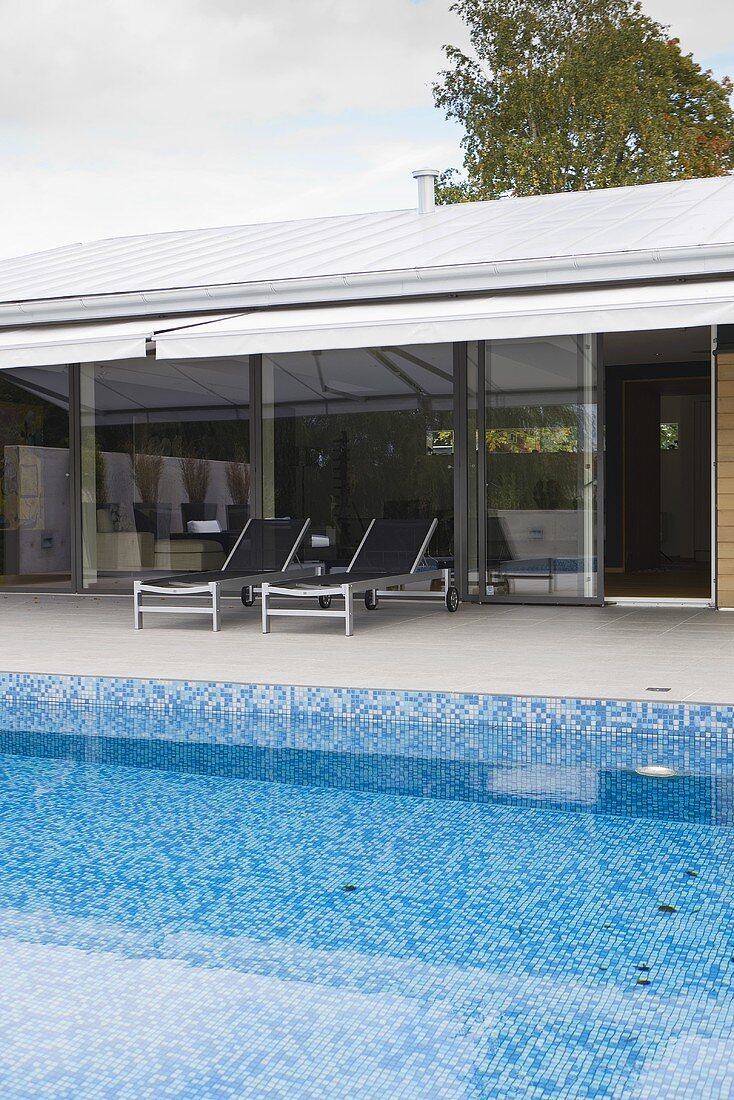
x=610 y=652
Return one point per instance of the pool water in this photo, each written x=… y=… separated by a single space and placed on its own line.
x=167 y=930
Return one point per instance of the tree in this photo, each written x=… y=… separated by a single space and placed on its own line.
x=567 y=95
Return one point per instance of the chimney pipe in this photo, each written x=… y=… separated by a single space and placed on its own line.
x=426 y=180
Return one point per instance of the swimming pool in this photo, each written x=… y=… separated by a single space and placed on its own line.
x=195 y=906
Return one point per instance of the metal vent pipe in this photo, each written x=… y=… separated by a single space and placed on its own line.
x=426 y=180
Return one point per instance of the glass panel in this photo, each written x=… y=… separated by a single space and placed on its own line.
x=473 y=474
x=165 y=467
x=540 y=444
x=352 y=435
x=35 y=504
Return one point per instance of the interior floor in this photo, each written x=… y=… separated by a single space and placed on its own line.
x=672 y=580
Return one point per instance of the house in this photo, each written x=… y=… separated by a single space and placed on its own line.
x=552 y=377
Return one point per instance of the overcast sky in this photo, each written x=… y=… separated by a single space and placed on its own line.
x=131 y=116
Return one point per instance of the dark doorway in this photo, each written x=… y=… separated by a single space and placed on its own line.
x=658 y=501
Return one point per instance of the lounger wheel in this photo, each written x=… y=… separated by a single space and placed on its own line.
x=324 y=601
x=248 y=595
x=452 y=599
x=370 y=600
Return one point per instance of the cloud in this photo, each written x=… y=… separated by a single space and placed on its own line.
x=214 y=66
x=119 y=117
x=704 y=29
x=126 y=116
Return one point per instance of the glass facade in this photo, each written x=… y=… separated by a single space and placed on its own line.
x=497 y=441
x=352 y=435
x=165 y=467
x=35 y=481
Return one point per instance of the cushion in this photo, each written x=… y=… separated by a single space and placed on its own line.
x=203 y=527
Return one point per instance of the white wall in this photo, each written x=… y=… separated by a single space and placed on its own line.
x=36 y=510
x=121 y=489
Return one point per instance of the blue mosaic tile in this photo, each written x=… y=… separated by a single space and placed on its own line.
x=166 y=934
x=249 y=892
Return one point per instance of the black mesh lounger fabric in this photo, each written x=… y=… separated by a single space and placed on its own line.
x=389 y=550
x=264 y=547
x=391 y=546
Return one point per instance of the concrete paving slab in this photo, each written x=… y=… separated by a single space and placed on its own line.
x=540 y=650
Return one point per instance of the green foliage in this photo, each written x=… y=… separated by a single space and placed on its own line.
x=532 y=480
x=342 y=469
x=669 y=437
x=532 y=457
x=567 y=95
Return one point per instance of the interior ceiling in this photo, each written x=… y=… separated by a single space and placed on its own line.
x=677 y=345
x=350 y=378
x=343 y=380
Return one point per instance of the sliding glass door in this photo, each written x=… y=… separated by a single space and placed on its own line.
x=536 y=458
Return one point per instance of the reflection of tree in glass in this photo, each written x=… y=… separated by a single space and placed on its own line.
x=668 y=437
x=343 y=469
x=532 y=456
x=525 y=441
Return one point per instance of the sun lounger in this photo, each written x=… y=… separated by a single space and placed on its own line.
x=391 y=554
x=265 y=548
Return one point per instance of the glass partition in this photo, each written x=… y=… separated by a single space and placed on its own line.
x=352 y=435
x=540 y=459
x=35 y=483
x=165 y=460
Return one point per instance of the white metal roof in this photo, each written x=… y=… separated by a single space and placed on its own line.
x=616 y=233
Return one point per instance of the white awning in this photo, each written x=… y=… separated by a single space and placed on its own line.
x=50 y=345
x=496 y=317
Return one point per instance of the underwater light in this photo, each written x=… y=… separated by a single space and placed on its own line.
x=656 y=771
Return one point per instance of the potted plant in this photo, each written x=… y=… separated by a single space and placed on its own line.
x=237 y=475
x=108 y=512
x=147 y=468
x=195 y=475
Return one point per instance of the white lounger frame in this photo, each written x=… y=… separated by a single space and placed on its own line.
x=346 y=590
x=211 y=589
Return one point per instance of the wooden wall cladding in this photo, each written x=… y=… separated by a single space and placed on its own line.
x=725 y=478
